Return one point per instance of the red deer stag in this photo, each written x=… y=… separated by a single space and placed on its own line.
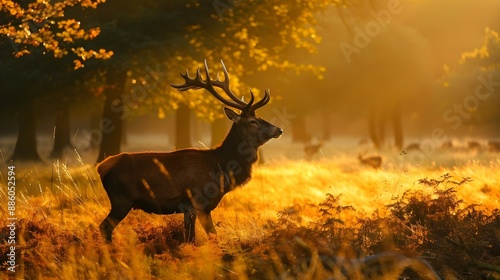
x=189 y=181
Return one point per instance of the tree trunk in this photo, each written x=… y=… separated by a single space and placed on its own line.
x=326 y=126
x=372 y=129
x=111 y=124
x=381 y=122
x=26 y=139
x=299 y=132
x=219 y=131
x=95 y=134
x=62 y=136
x=261 y=159
x=124 y=133
x=397 y=125
x=183 y=127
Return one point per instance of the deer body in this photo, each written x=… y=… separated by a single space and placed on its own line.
x=188 y=181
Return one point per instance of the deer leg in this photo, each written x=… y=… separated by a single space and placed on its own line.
x=207 y=223
x=189 y=221
x=115 y=216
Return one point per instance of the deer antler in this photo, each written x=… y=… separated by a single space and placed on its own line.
x=208 y=84
x=262 y=102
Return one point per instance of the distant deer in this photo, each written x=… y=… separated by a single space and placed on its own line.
x=448 y=145
x=312 y=149
x=373 y=161
x=494 y=146
x=413 y=147
x=189 y=181
x=473 y=145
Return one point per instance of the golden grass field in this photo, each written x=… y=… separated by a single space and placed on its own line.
x=262 y=227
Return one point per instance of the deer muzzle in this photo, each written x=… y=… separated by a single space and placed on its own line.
x=277 y=132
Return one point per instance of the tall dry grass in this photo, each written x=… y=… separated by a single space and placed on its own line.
x=278 y=214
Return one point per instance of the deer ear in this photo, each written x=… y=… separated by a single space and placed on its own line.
x=232 y=115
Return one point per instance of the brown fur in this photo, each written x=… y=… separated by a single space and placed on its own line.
x=189 y=181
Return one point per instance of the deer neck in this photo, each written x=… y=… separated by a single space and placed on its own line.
x=236 y=147
x=237 y=153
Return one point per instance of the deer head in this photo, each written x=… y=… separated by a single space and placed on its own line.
x=252 y=129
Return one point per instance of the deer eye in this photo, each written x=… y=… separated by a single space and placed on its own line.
x=254 y=122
